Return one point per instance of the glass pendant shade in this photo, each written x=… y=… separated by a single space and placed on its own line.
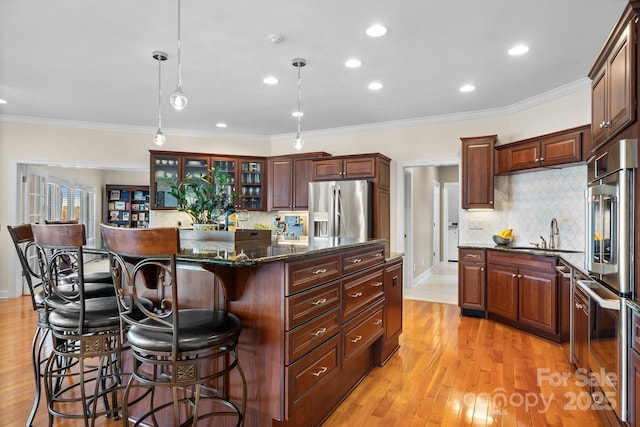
x=298 y=143
x=159 y=138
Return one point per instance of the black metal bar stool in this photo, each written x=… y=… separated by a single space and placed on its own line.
x=178 y=348
x=82 y=371
x=22 y=237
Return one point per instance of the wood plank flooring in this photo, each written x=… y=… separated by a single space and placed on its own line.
x=449 y=371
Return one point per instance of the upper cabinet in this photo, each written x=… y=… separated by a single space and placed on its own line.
x=477 y=172
x=557 y=149
x=613 y=87
x=288 y=181
x=345 y=167
x=246 y=176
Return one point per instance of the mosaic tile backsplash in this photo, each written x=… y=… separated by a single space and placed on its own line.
x=527 y=202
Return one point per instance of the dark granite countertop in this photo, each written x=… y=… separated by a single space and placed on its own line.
x=575 y=258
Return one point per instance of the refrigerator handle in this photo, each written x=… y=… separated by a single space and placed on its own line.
x=338 y=211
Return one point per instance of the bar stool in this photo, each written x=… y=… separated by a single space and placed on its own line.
x=22 y=237
x=85 y=330
x=174 y=347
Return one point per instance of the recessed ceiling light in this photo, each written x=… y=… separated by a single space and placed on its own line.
x=270 y=80
x=3 y=101
x=353 y=63
x=297 y=114
x=518 y=49
x=221 y=125
x=375 y=86
x=467 y=88
x=376 y=30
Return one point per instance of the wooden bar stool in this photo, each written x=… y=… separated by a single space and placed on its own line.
x=82 y=369
x=183 y=349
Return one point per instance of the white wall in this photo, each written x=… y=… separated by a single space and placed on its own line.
x=406 y=144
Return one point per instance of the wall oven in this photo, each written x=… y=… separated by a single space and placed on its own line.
x=609 y=261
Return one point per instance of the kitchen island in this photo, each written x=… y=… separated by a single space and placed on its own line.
x=314 y=318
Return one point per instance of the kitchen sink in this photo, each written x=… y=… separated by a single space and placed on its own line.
x=535 y=249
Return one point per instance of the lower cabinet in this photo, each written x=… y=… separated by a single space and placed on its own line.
x=634 y=370
x=472 y=282
x=580 y=328
x=523 y=291
x=393 y=284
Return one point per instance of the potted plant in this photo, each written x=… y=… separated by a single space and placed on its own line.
x=204 y=197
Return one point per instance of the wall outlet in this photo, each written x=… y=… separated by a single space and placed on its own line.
x=476 y=225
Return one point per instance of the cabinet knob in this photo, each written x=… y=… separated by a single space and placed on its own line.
x=536 y=160
x=542 y=159
x=519 y=276
x=514 y=275
x=481 y=268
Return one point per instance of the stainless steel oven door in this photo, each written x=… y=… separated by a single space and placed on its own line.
x=607 y=345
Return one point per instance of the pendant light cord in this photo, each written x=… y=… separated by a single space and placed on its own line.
x=159 y=93
x=179 y=62
x=299 y=111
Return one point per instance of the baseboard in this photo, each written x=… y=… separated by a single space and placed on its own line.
x=422 y=277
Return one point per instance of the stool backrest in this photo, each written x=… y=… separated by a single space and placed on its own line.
x=59 y=253
x=22 y=237
x=143 y=264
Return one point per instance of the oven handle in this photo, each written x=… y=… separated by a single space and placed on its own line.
x=612 y=304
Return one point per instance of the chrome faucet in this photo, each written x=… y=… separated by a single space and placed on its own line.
x=555 y=231
x=544 y=243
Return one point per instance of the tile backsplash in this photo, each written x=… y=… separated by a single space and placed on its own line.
x=527 y=202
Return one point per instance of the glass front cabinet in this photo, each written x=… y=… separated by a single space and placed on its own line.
x=246 y=177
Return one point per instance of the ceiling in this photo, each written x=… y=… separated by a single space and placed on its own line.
x=91 y=61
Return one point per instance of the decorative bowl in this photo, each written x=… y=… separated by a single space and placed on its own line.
x=501 y=240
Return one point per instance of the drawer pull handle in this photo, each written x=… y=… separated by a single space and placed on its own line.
x=356 y=339
x=319 y=302
x=377 y=255
x=356 y=295
x=376 y=284
x=320 y=271
x=320 y=372
x=471 y=256
x=355 y=261
x=319 y=332
x=377 y=321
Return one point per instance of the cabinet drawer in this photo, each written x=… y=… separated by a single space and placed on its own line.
x=310 y=372
x=304 y=338
x=531 y=262
x=471 y=255
x=358 y=260
x=360 y=290
x=362 y=331
x=306 y=305
x=305 y=274
x=635 y=331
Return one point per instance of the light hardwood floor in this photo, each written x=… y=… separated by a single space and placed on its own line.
x=449 y=371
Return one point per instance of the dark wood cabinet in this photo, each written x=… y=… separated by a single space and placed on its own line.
x=580 y=328
x=613 y=88
x=477 y=172
x=288 y=181
x=246 y=176
x=126 y=206
x=564 y=148
x=393 y=285
x=522 y=290
x=472 y=281
x=634 y=370
x=346 y=167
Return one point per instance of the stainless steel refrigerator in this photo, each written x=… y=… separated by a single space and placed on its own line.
x=341 y=209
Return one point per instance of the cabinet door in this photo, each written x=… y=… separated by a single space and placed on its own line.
x=580 y=328
x=477 y=172
x=634 y=389
x=164 y=168
x=327 y=170
x=251 y=184
x=471 y=281
x=195 y=165
x=561 y=150
x=502 y=291
x=302 y=176
x=538 y=300
x=280 y=184
x=228 y=166
x=524 y=156
x=393 y=300
x=598 y=109
x=358 y=168
x=621 y=110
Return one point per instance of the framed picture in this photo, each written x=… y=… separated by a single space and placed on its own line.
x=142 y=217
x=138 y=195
x=114 y=216
x=114 y=195
x=111 y=206
x=120 y=206
x=125 y=216
x=134 y=217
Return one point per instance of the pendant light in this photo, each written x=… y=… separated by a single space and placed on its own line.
x=159 y=137
x=178 y=99
x=298 y=142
